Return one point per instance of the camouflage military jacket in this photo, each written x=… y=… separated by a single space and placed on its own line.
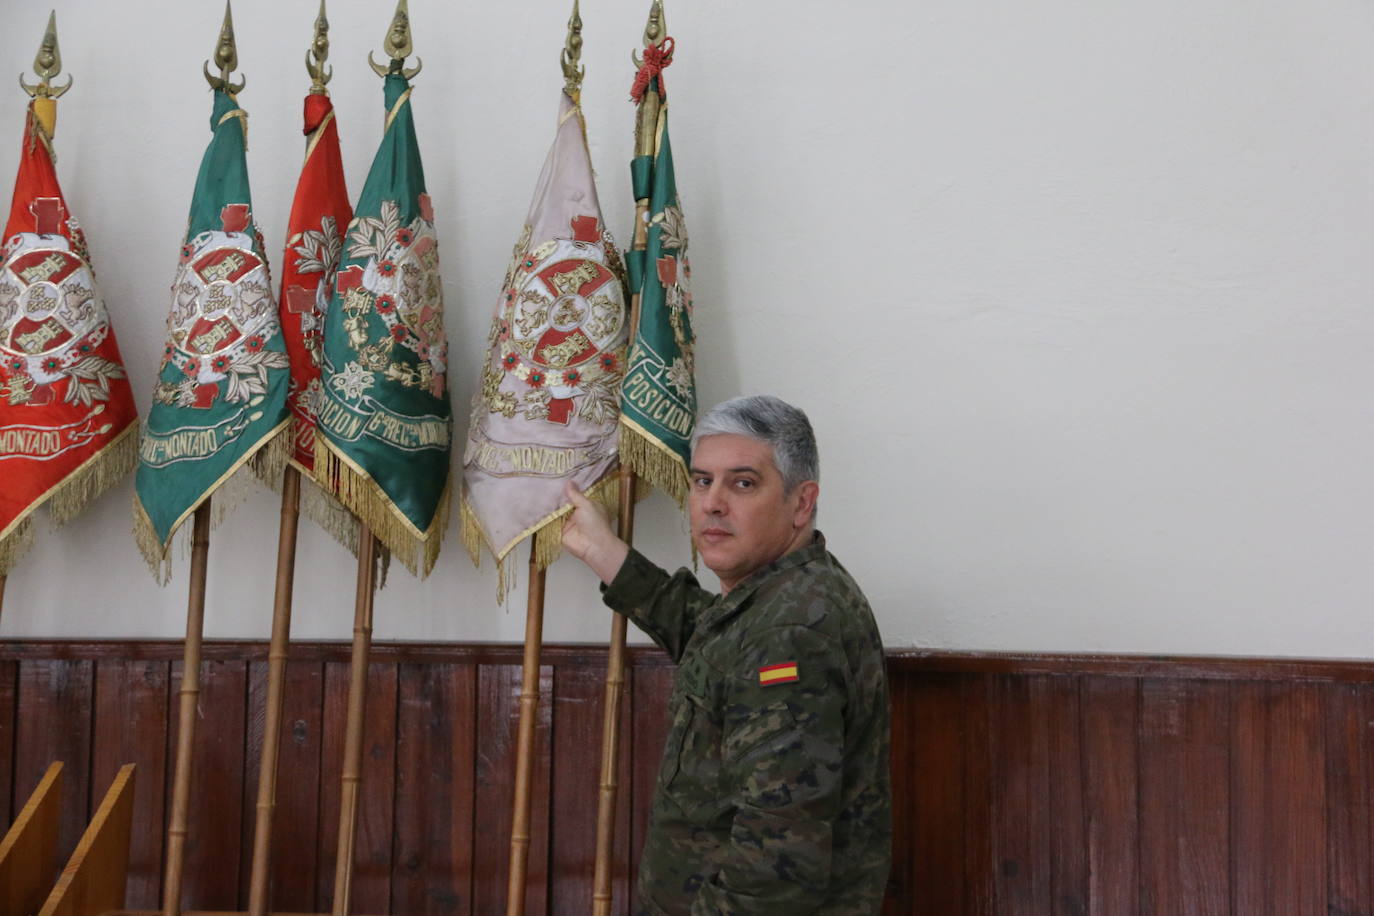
x=773 y=795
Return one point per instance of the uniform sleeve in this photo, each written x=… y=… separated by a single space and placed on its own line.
x=666 y=607
x=782 y=751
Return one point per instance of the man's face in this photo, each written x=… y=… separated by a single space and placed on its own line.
x=742 y=519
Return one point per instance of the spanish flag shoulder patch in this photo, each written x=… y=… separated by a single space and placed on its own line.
x=785 y=673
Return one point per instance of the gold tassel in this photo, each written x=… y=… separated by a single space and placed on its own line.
x=548 y=537
x=470 y=532
x=505 y=579
x=548 y=540
x=316 y=503
x=66 y=500
x=362 y=496
x=269 y=459
x=14 y=545
x=103 y=470
x=654 y=463
x=324 y=510
x=156 y=554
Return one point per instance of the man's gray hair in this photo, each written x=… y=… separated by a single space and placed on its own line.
x=772 y=420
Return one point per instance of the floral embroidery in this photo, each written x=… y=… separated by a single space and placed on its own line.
x=398 y=282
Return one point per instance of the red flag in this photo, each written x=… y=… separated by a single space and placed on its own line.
x=314 y=238
x=67 y=415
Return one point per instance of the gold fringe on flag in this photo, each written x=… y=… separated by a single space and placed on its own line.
x=75 y=492
x=324 y=510
x=156 y=554
x=417 y=550
x=652 y=461
x=547 y=532
x=266 y=462
x=15 y=544
x=103 y=470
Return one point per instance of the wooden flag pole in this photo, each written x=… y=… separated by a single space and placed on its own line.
x=646 y=137
x=186 y=727
x=524 y=749
x=276 y=683
x=353 y=735
x=2 y=591
x=610 y=724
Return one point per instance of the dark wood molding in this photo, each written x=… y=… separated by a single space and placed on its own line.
x=907 y=661
x=1186 y=667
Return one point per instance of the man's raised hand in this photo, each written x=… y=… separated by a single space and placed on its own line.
x=587 y=535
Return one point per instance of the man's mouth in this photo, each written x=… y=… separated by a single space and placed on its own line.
x=714 y=534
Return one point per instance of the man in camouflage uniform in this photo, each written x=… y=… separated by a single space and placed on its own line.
x=773 y=794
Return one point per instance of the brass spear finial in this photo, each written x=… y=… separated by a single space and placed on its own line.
x=47 y=64
x=226 y=57
x=397 y=46
x=654 y=31
x=573 y=69
x=319 y=50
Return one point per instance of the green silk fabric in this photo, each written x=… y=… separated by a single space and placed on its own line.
x=202 y=427
x=396 y=435
x=659 y=393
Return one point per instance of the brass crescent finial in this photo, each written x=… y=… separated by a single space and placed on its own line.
x=226 y=57
x=573 y=69
x=654 y=31
x=315 y=56
x=47 y=64
x=397 y=45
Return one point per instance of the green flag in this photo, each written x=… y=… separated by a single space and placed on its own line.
x=220 y=396
x=658 y=401
x=384 y=422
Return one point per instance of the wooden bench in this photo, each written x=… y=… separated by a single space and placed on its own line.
x=28 y=853
x=95 y=878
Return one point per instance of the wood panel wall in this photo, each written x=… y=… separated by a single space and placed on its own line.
x=1022 y=784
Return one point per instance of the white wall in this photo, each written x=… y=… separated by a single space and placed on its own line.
x=1076 y=294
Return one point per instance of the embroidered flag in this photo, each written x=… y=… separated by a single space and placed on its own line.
x=658 y=401
x=785 y=673
x=384 y=421
x=220 y=396
x=67 y=415
x=547 y=405
x=320 y=215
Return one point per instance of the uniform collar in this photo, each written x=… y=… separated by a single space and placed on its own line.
x=727 y=605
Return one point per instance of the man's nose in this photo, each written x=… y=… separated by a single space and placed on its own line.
x=715 y=500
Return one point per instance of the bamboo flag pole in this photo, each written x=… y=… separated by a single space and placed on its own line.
x=610 y=725
x=646 y=124
x=276 y=682
x=290 y=510
x=353 y=734
x=186 y=727
x=524 y=749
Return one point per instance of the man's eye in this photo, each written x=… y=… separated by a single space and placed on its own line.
x=744 y=484
x=702 y=481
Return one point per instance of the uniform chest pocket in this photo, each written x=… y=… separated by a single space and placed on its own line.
x=691 y=754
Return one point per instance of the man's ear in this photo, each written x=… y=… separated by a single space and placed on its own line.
x=804 y=508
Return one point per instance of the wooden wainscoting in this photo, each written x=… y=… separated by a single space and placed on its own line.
x=1022 y=784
